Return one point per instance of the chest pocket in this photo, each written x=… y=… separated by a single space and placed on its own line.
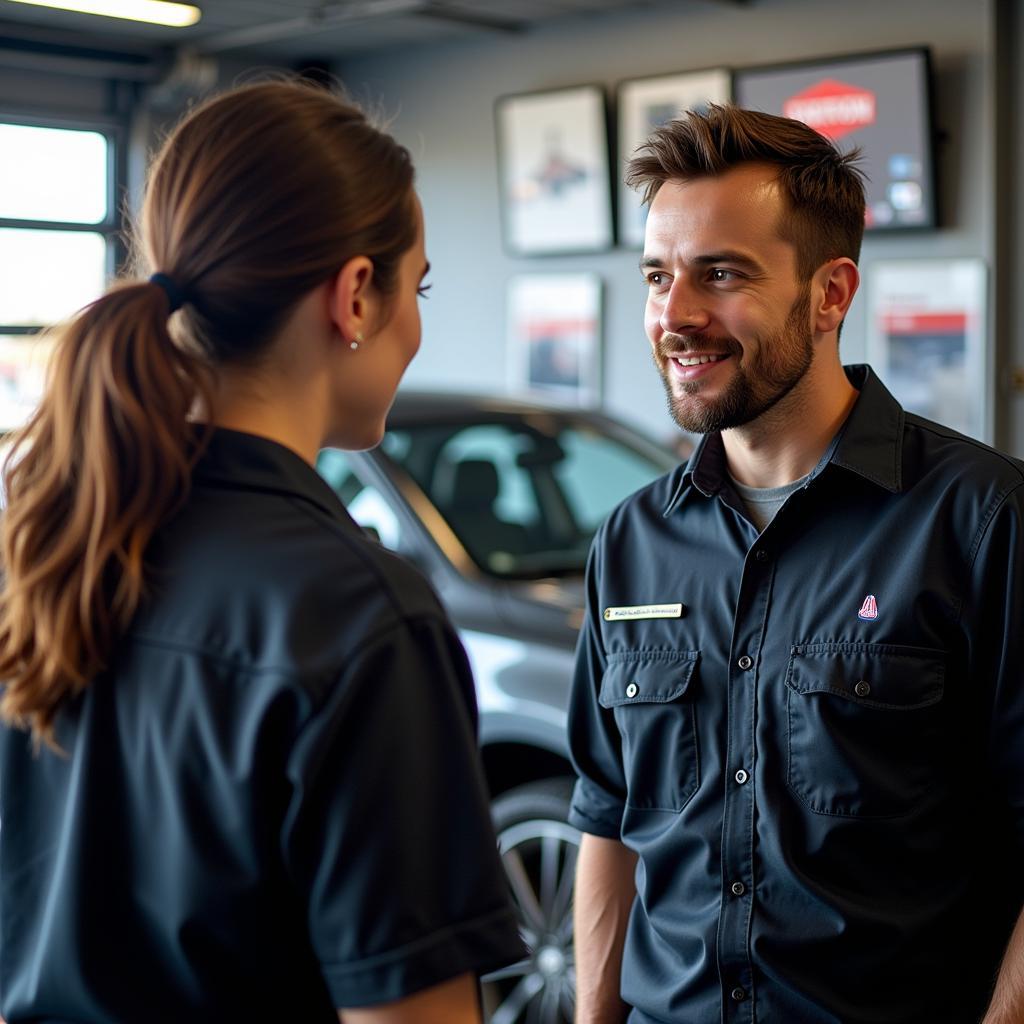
x=864 y=726
x=651 y=695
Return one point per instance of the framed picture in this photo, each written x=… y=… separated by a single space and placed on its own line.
x=553 y=167
x=877 y=102
x=554 y=336
x=646 y=103
x=926 y=339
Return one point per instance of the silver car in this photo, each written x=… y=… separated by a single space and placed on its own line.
x=497 y=501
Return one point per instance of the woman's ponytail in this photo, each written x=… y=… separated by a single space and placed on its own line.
x=103 y=462
x=258 y=197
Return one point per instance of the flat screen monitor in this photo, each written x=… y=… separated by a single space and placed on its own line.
x=878 y=102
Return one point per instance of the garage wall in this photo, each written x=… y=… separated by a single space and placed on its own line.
x=442 y=102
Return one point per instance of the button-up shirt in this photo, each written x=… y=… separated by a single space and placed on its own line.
x=813 y=737
x=270 y=805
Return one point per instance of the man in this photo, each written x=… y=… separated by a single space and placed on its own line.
x=798 y=714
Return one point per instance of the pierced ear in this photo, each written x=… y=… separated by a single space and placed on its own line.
x=839 y=281
x=351 y=298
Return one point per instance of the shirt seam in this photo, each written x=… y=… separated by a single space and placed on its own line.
x=368 y=563
x=287 y=475
x=891 y=485
x=606 y=824
x=972 y=556
x=433 y=939
x=254 y=668
x=284 y=490
x=952 y=435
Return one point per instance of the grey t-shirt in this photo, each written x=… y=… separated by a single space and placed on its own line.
x=763 y=502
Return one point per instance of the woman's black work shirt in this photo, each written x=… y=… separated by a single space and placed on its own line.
x=270 y=805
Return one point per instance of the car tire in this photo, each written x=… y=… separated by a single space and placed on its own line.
x=538 y=849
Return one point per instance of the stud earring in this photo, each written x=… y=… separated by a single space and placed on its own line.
x=359 y=340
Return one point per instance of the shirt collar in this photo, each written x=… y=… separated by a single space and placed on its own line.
x=869 y=443
x=247 y=462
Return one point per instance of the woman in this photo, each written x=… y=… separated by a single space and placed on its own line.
x=248 y=788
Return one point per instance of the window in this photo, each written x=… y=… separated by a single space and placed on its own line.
x=58 y=241
x=524 y=498
x=596 y=474
x=514 y=499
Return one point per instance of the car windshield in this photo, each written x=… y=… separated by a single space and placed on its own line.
x=525 y=496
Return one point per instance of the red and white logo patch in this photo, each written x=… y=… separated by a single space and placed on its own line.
x=869 y=609
x=832 y=108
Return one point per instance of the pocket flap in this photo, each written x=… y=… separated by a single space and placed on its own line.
x=647 y=677
x=876 y=675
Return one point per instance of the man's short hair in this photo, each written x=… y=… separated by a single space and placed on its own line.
x=824 y=188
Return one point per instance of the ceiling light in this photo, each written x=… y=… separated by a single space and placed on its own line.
x=155 y=12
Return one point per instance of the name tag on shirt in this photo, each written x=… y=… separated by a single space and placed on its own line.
x=644 y=611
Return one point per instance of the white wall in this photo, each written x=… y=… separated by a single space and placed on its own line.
x=443 y=100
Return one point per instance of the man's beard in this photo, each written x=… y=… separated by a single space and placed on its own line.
x=782 y=360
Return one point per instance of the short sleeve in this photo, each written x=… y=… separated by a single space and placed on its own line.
x=599 y=797
x=388 y=839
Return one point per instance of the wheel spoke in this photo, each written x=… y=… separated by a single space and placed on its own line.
x=508 y=1012
x=522 y=889
x=533 y=1012
x=539 y=851
x=549 y=857
x=567 y=998
x=512 y=971
x=549 y=1004
x=563 y=898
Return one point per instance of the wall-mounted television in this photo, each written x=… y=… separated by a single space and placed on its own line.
x=879 y=102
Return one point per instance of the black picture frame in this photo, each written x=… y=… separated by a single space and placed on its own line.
x=641 y=105
x=554 y=171
x=891 y=92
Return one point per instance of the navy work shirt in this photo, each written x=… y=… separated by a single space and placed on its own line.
x=270 y=805
x=813 y=738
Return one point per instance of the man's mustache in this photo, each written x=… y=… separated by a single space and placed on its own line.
x=670 y=345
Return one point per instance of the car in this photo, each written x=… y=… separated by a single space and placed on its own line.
x=497 y=501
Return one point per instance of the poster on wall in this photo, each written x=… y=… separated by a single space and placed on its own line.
x=646 y=103
x=878 y=103
x=926 y=338
x=554 y=171
x=554 y=336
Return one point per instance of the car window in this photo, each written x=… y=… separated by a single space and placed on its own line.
x=514 y=500
x=596 y=474
x=364 y=502
x=524 y=497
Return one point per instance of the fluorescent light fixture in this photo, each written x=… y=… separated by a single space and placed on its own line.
x=155 y=12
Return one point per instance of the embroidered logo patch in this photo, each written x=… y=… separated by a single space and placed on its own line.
x=869 y=609
x=644 y=611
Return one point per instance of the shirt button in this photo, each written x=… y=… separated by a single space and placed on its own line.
x=632 y=690
x=761 y=555
x=739 y=994
x=738 y=888
x=741 y=776
x=745 y=662
x=862 y=689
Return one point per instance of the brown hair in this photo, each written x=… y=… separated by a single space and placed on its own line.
x=256 y=198
x=824 y=188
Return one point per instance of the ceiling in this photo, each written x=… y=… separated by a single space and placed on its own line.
x=294 y=30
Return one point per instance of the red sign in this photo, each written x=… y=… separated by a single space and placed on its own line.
x=832 y=108
x=925 y=323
